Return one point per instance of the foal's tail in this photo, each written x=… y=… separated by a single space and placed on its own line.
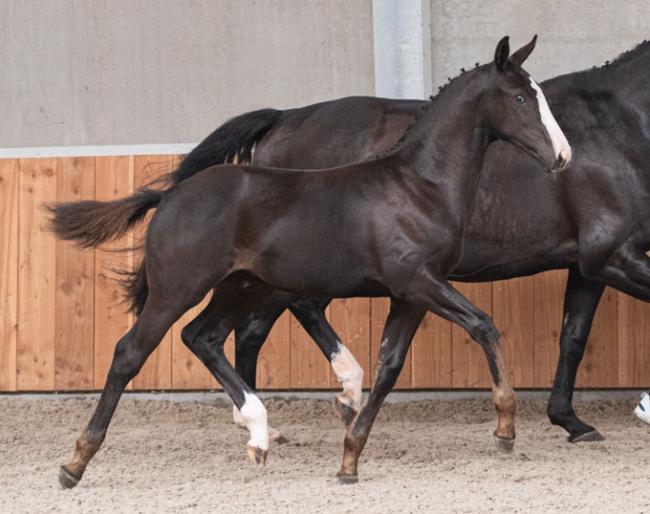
x=92 y=223
x=232 y=142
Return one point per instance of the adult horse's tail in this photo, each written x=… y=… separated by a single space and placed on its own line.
x=234 y=141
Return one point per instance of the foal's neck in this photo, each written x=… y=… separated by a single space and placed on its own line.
x=448 y=143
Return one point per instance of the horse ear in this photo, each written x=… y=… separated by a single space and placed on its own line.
x=522 y=54
x=501 y=54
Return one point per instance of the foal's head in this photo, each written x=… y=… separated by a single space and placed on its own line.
x=514 y=108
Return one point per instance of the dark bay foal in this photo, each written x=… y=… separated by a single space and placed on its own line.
x=591 y=221
x=389 y=227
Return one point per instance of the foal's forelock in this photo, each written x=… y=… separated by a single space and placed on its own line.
x=561 y=146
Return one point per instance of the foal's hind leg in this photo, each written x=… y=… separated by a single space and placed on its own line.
x=231 y=302
x=402 y=323
x=580 y=301
x=131 y=353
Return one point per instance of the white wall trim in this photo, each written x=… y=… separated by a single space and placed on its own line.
x=95 y=151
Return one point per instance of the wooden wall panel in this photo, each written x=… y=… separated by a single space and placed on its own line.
x=633 y=347
x=75 y=291
x=62 y=313
x=113 y=180
x=431 y=358
x=9 y=212
x=309 y=367
x=548 y=298
x=274 y=361
x=36 y=277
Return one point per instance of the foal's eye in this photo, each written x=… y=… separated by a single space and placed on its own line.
x=519 y=99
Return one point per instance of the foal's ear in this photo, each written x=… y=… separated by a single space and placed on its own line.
x=501 y=54
x=522 y=54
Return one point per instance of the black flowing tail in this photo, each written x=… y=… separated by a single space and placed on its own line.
x=234 y=140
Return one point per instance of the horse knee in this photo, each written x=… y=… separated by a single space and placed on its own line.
x=483 y=331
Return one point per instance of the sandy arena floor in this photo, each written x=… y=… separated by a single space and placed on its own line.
x=428 y=456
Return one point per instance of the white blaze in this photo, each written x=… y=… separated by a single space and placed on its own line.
x=349 y=373
x=253 y=417
x=561 y=146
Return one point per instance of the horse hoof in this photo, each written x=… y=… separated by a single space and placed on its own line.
x=347 y=479
x=504 y=445
x=67 y=478
x=589 y=437
x=345 y=412
x=257 y=455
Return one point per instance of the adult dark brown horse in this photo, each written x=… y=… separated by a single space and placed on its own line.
x=388 y=227
x=591 y=221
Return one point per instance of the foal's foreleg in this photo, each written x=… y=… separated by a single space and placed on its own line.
x=310 y=313
x=402 y=323
x=130 y=355
x=441 y=298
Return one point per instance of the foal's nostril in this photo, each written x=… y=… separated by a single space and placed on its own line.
x=560 y=163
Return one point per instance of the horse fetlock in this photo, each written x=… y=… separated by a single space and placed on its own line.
x=256 y=454
x=344 y=409
x=254 y=416
x=87 y=445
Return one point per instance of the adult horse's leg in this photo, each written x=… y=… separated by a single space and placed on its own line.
x=254 y=331
x=232 y=301
x=580 y=301
x=626 y=269
x=131 y=353
x=438 y=296
x=310 y=313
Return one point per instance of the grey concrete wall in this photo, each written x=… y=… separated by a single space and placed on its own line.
x=572 y=34
x=111 y=72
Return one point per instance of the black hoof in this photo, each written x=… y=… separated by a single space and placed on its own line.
x=67 y=478
x=504 y=445
x=589 y=437
x=348 y=479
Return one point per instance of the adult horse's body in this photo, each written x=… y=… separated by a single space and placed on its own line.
x=390 y=227
x=591 y=221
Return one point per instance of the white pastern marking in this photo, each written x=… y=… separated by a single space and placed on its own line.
x=559 y=140
x=254 y=417
x=349 y=373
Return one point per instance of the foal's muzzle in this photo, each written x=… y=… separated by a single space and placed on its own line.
x=562 y=161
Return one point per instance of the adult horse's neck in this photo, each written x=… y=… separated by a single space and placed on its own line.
x=447 y=144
